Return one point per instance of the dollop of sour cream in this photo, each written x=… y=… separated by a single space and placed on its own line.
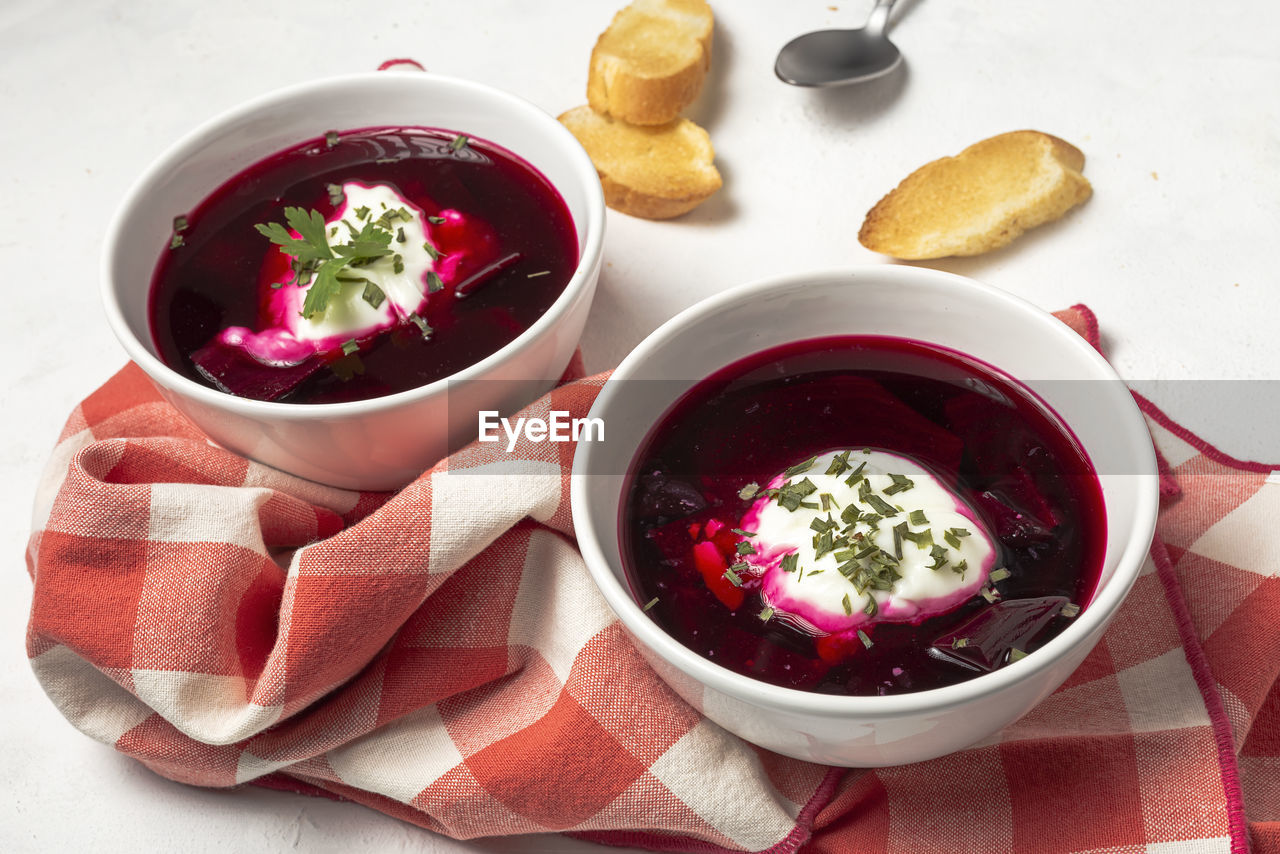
x=287 y=338
x=856 y=537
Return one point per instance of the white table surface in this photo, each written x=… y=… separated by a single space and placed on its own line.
x=1177 y=111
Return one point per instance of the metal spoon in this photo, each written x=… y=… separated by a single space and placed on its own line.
x=838 y=57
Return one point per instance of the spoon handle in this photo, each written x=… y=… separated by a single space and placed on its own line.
x=878 y=20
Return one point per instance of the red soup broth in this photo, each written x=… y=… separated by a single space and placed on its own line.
x=217 y=275
x=1002 y=452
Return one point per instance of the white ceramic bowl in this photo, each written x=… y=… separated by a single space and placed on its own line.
x=384 y=442
x=1001 y=330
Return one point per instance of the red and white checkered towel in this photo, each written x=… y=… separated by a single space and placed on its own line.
x=441 y=655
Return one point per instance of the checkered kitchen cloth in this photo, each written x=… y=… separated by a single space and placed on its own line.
x=441 y=655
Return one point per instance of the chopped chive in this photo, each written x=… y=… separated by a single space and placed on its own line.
x=749 y=491
x=884 y=508
x=766 y=615
x=349 y=346
x=373 y=294
x=742 y=533
x=432 y=251
x=821 y=525
x=330 y=138
x=862 y=636
x=952 y=539
x=871 y=607
x=733 y=577
x=789 y=562
x=400 y=238
x=421 y=323
x=848 y=606
x=917 y=517
x=1016 y=654
x=901 y=483
x=1070 y=610
x=857 y=475
x=362 y=212
x=800 y=468
x=990 y=595
x=998 y=575
x=839 y=464
x=436 y=220
x=176 y=241
x=745 y=548
x=824 y=498
x=959 y=643
x=180 y=223
x=459 y=143
x=650 y=603
x=539 y=273
x=959 y=568
x=434 y=285
x=397 y=263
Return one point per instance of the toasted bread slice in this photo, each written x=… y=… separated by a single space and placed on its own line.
x=649 y=65
x=654 y=172
x=979 y=200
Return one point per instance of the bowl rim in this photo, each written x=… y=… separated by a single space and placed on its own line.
x=1091 y=621
x=590 y=250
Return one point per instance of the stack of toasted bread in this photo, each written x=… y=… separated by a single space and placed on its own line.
x=646 y=68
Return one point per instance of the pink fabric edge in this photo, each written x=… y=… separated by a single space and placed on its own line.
x=1228 y=765
x=789 y=844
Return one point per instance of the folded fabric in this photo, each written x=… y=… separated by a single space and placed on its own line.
x=441 y=655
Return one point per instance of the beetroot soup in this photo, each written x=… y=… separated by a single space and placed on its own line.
x=862 y=515
x=360 y=264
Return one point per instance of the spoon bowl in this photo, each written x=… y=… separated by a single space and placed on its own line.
x=840 y=57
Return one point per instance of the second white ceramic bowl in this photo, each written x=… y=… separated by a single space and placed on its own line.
x=384 y=442
x=1020 y=340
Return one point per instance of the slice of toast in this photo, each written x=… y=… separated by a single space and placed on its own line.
x=651 y=61
x=980 y=199
x=656 y=172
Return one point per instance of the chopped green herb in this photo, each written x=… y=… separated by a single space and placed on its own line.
x=901 y=483
x=800 y=468
x=939 y=555
x=1070 y=610
x=362 y=212
x=871 y=607
x=821 y=525
x=421 y=323
x=959 y=643
x=180 y=223
x=434 y=285
x=330 y=138
x=539 y=273
x=884 y=508
x=922 y=539
x=917 y=517
x=1016 y=654
x=839 y=464
x=848 y=606
x=176 y=241
x=792 y=495
x=852 y=480
x=745 y=548
x=959 y=568
x=733 y=577
x=436 y=220
x=397 y=264
x=650 y=603
x=998 y=575
x=789 y=562
x=336 y=196
x=347 y=367
x=742 y=533
x=400 y=238
x=432 y=251
x=952 y=539
x=749 y=491
x=990 y=595
x=372 y=294
x=766 y=615
x=459 y=143
x=349 y=346
x=866 y=640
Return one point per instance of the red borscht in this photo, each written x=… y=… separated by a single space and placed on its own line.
x=862 y=515
x=360 y=264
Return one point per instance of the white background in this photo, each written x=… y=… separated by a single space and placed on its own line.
x=1175 y=104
